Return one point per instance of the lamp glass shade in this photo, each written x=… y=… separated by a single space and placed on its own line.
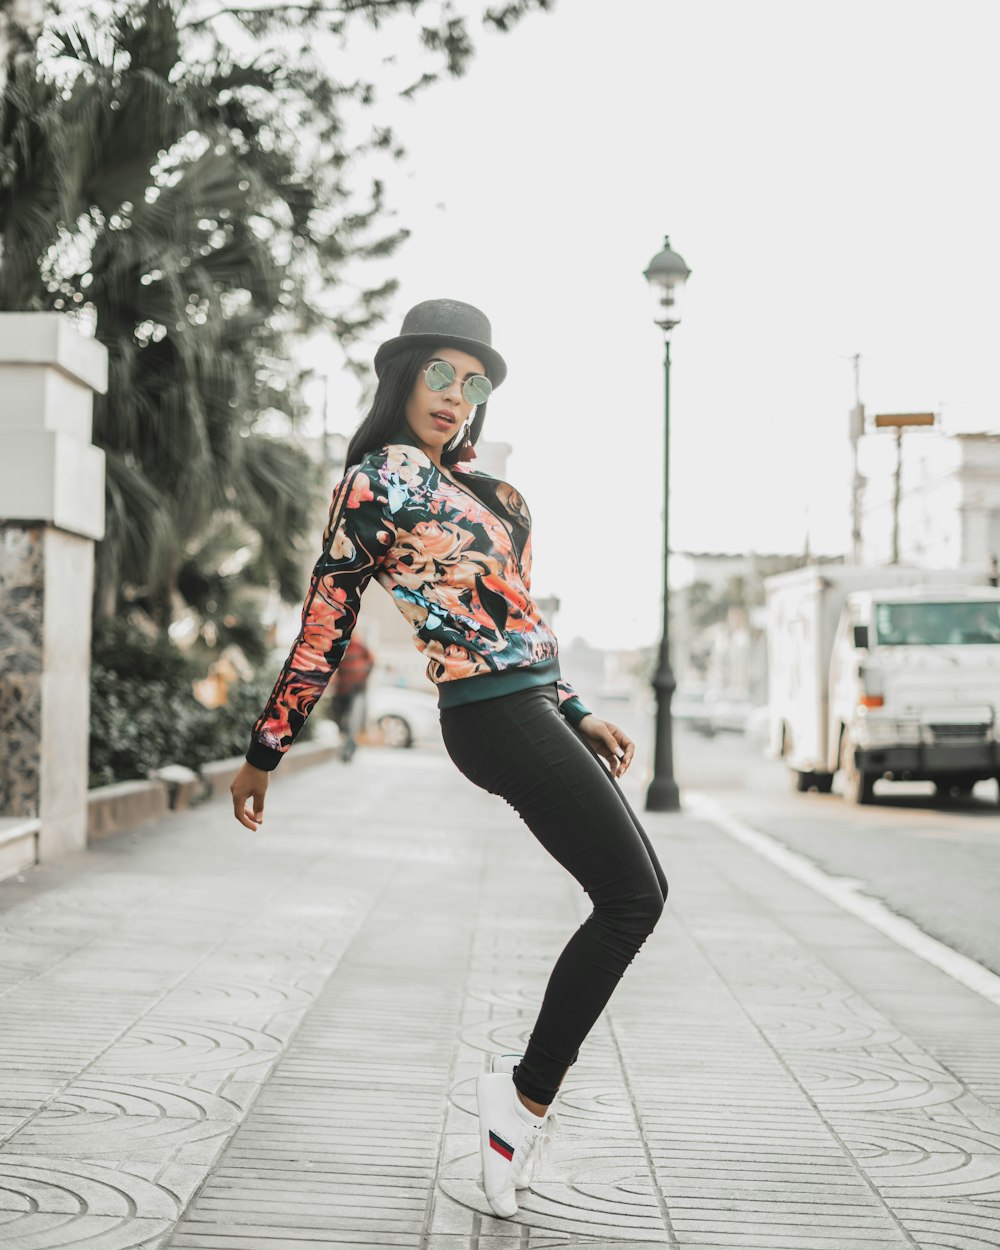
x=666 y=275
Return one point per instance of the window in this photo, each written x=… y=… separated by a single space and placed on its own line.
x=937 y=624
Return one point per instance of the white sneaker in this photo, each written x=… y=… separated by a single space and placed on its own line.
x=538 y=1157
x=506 y=1062
x=507 y=1136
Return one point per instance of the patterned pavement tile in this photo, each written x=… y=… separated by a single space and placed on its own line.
x=872 y=1136
x=793 y=1232
x=952 y=1224
x=790 y=1238
x=525 y=1238
x=162 y=1047
x=200 y=1236
x=143 y=1096
x=788 y=1027
x=59 y=926
x=23 y=957
x=857 y=1082
x=10 y=1123
x=225 y=1001
x=81 y=981
x=120 y=1139
x=966 y=1110
x=249 y=1222
x=68 y=1186
x=22 y=1090
x=38 y=1230
x=900 y=1174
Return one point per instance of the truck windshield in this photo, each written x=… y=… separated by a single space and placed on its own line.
x=936 y=624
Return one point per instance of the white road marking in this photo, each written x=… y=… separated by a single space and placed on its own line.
x=846 y=893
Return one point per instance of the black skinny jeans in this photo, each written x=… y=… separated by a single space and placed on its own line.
x=519 y=746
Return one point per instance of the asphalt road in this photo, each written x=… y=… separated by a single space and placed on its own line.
x=936 y=862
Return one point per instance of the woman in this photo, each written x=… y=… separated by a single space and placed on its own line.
x=453 y=547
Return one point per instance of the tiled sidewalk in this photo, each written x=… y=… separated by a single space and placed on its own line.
x=212 y=1038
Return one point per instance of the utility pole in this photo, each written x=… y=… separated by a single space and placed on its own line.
x=897 y=490
x=857 y=428
x=899 y=421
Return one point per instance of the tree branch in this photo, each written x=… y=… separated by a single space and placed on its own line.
x=343 y=9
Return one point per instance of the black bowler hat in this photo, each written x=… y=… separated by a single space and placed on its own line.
x=446 y=323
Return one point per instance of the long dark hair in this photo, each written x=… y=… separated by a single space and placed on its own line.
x=387 y=413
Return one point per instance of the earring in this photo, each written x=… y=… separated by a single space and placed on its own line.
x=467 y=451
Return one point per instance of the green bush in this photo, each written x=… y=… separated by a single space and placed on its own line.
x=143 y=713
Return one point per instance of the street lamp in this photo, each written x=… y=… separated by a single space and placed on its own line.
x=666 y=275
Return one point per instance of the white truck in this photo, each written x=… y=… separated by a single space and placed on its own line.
x=889 y=672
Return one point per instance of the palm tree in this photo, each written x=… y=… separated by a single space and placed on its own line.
x=134 y=197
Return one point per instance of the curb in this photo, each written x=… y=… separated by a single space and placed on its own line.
x=126 y=805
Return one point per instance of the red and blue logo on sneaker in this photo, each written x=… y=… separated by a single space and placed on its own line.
x=498 y=1144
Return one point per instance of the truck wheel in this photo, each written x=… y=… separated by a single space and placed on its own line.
x=859 y=786
x=821 y=782
x=947 y=786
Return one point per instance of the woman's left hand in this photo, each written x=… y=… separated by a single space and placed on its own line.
x=610 y=742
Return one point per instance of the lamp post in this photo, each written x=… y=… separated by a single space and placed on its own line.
x=666 y=276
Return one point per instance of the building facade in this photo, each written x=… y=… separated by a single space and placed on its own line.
x=949 y=505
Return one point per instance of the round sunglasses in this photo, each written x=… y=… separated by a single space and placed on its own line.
x=476 y=389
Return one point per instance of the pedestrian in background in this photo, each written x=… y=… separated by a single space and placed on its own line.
x=453 y=547
x=347 y=696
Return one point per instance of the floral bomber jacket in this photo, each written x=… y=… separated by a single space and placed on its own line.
x=457 y=561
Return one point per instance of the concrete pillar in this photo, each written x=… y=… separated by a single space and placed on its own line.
x=51 y=513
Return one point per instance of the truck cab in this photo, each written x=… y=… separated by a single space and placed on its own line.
x=914 y=688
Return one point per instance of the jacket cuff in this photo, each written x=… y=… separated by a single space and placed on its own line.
x=574 y=710
x=263 y=757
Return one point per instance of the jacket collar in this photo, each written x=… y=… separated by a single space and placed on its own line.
x=403 y=435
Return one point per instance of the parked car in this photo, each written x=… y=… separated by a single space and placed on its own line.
x=757 y=727
x=403 y=717
x=689 y=707
x=726 y=714
x=709 y=711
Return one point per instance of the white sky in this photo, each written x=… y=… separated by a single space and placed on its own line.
x=828 y=172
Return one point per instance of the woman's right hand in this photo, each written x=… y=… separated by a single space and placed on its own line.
x=249 y=782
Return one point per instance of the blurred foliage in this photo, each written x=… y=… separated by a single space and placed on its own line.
x=186 y=178
x=143 y=714
x=710 y=603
